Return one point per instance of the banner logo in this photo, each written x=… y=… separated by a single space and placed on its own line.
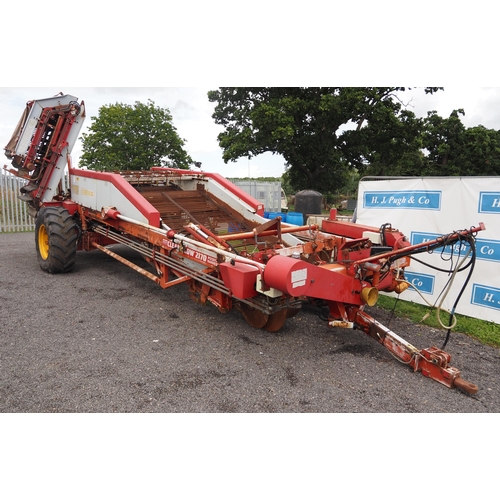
x=413 y=200
x=458 y=248
x=489 y=202
x=424 y=283
x=485 y=296
x=488 y=250
x=485 y=249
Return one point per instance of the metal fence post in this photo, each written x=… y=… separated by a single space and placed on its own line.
x=13 y=212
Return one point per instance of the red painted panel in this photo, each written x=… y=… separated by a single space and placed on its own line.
x=347 y=229
x=240 y=279
x=296 y=277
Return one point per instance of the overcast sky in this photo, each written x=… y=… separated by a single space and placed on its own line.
x=191 y=112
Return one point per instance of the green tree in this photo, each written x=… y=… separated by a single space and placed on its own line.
x=443 y=139
x=453 y=149
x=481 y=155
x=390 y=145
x=125 y=137
x=322 y=132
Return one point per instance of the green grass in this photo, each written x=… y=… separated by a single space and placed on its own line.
x=485 y=331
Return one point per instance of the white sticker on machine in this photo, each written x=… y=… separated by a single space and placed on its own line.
x=299 y=277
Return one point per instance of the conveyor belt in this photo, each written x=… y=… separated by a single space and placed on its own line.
x=178 y=208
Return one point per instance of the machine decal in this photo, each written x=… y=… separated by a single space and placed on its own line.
x=202 y=257
x=298 y=277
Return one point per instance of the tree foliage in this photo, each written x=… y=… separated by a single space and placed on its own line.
x=125 y=137
x=453 y=149
x=322 y=132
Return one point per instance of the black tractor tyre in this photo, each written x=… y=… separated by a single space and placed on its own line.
x=56 y=237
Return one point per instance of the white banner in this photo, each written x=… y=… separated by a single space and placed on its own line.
x=428 y=207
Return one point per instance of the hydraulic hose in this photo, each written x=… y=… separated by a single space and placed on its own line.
x=459 y=296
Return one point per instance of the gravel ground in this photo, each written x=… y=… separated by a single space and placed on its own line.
x=105 y=339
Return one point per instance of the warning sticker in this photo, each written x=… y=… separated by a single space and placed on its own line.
x=299 y=277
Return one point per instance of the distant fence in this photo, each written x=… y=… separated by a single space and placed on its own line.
x=267 y=193
x=13 y=212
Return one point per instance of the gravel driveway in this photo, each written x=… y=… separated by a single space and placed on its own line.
x=106 y=339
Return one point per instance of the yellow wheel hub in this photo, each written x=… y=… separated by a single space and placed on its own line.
x=43 y=242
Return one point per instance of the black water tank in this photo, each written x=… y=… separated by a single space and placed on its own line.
x=308 y=202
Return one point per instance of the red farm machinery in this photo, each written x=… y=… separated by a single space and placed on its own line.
x=199 y=229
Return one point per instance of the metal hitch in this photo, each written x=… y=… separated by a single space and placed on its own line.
x=431 y=362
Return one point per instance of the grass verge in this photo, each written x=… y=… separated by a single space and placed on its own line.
x=485 y=331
